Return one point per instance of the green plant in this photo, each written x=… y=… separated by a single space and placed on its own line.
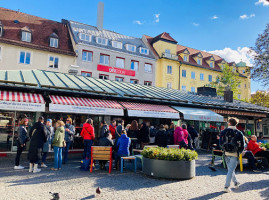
x=160 y=153
x=266 y=145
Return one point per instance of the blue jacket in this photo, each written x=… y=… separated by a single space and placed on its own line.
x=123 y=145
x=22 y=136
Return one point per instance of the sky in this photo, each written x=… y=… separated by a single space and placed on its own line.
x=224 y=27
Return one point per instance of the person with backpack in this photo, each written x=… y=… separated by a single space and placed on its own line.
x=232 y=143
x=161 y=137
x=104 y=129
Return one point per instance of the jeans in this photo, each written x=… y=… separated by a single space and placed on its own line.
x=251 y=160
x=87 y=148
x=65 y=151
x=231 y=165
x=18 y=155
x=57 y=157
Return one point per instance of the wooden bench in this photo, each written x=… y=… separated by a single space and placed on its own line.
x=128 y=158
x=218 y=153
x=241 y=160
x=101 y=153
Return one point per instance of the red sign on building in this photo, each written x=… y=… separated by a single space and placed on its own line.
x=115 y=70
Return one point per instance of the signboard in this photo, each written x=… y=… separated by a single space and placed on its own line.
x=115 y=70
x=85 y=110
x=22 y=106
x=141 y=113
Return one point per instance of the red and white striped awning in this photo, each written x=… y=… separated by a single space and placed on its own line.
x=150 y=110
x=84 y=105
x=21 y=101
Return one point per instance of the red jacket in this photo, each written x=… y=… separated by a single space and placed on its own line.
x=254 y=147
x=112 y=130
x=185 y=135
x=178 y=135
x=87 y=132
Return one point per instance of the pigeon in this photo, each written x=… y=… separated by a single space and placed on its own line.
x=98 y=191
x=212 y=168
x=55 y=196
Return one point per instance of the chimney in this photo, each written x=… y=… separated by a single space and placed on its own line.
x=100 y=16
x=228 y=95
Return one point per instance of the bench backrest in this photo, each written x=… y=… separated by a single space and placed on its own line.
x=173 y=146
x=150 y=146
x=101 y=153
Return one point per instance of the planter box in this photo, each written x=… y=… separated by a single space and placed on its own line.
x=169 y=169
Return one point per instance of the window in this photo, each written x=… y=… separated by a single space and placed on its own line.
x=103 y=76
x=144 y=51
x=102 y=41
x=53 y=62
x=117 y=44
x=239 y=96
x=86 y=74
x=210 y=78
x=192 y=89
x=1 y=30
x=243 y=71
x=169 y=69
x=183 y=87
x=148 y=83
x=185 y=58
x=148 y=67
x=130 y=47
x=222 y=66
x=86 y=56
x=201 y=76
x=184 y=73
x=26 y=36
x=134 y=81
x=193 y=75
x=54 y=42
x=120 y=62
x=199 y=62
x=169 y=85
x=85 y=37
x=120 y=79
x=211 y=65
x=104 y=59
x=167 y=51
x=25 y=57
x=134 y=65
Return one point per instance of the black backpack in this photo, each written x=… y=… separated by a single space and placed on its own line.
x=230 y=142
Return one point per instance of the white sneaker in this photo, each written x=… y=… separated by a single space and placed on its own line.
x=36 y=170
x=18 y=167
x=236 y=186
x=44 y=166
x=227 y=190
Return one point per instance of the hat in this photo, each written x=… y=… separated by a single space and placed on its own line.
x=49 y=120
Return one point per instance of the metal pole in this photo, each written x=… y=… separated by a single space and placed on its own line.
x=14 y=123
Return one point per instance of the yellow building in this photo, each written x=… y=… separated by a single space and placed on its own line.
x=191 y=68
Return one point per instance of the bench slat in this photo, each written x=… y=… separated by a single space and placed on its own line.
x=101 y=148
x=100 y=157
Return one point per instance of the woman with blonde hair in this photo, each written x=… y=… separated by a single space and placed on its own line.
x=88 y=136
x=58 y=143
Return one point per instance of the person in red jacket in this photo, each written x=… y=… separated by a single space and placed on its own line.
x=112 y=129
x=255 y=148
x=88 y=136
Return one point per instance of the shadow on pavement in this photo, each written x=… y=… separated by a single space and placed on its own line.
x=208 y=196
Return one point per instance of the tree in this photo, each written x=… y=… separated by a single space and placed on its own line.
x=260 y=71
x=227 y=79
x=260 y=98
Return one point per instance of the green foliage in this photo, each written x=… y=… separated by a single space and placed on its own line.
x=266 y=145
x=260 y=98
x=160 y=153
x=228 y=78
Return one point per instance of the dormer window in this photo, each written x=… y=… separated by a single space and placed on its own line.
x=1 y=29
x=185 y=57
x=26 y=36
x=117 y=44
x=102 y=41
x=54 y=40
x=199 y=62
x=131 y=48
x=85 y=37
x=144 y=51
x=211 y=65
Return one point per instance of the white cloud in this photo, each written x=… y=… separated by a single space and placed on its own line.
x=215 y=17
x=240 y=54
x=263 y=2
x=245 y=16
x=157 y=18
x=138 y=22
x=195 y=24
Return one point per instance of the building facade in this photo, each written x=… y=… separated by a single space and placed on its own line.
x=183 y=68
x=30 y=42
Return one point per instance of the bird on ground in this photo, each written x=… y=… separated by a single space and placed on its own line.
x=55 y=196
x=98 y=191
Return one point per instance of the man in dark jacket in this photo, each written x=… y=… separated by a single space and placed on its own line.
x=38 y=138
x=161 y=137
x=118 y=130
x=105 y=141
x=104 y=129
x=232 y=142
x=194 y=135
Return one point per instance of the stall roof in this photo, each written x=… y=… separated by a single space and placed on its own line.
x=66 y=84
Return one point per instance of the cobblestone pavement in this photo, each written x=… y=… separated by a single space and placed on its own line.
x=72 y=183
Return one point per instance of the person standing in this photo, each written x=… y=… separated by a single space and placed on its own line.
x=143 y=137
x=88 y=136
x=69 y=137
x=119 y=129
x=38 y=138
x=194 y=136
x=104 y=129
x=112 y=129
x=232 y=142
x=132 y=133
x=46 y=146
x=161 y=137
x=58 y=144
x=179 y=137
x=21 y=142
x=170 y=133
